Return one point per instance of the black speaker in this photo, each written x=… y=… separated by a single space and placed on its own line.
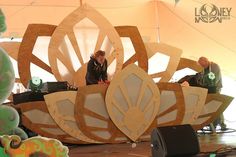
x=174 y=141
x=28 y=97
x=51 y=87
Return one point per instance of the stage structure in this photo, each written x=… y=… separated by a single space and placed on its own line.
x=135 y=102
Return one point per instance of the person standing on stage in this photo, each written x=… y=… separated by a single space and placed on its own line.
x=97 y=69
x=210 y=78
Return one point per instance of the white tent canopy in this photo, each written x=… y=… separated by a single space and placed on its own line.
x=175 y=22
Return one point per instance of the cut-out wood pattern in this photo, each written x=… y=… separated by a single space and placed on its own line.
x=66 y=29
x=172 y=107
x=140 y=55
x=188 y=63
x=194 y=98
x=174 y=54
x=215 y=105
x=35 y=116
x=132 y=101
x=61 y=107
x=92 y=116
x=12 y=48
x=26 y=56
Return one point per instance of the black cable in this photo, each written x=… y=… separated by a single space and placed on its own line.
x=229 y=130
x=221 y=150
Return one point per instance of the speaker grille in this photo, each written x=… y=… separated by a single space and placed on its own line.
x=179 y=140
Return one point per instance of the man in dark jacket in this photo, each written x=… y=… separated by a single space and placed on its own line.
x=97 y=69
x=210 y=77
x=212 y=80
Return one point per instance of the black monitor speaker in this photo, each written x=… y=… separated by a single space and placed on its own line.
x=174 y=141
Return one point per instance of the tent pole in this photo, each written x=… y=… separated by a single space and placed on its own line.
x=157 y=21
x=81 y=2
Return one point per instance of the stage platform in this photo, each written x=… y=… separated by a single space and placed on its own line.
x=208 y=143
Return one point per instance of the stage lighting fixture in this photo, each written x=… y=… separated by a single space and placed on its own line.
x=35 y=84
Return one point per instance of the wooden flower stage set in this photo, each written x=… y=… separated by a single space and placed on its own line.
x=126 y=110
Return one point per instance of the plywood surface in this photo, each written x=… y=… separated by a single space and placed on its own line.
x=133 y=101
x=174 y=54
x=188 y=63
x=35 y=116
x=140 y=55
x=61 y=107
x=92 y=116
x=66 y=29
x=214 y=106
x=172 y=107
x=26 y=56
x=195 y=98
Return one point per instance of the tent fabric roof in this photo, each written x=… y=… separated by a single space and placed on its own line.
x=176 y=23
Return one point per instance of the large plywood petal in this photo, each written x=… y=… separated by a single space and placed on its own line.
x=92 y=117
x=186 y=69
x=194 y=98
x=35 y=116
x=72 y=68
x=172 y=107
x=171 y=52
x=61 y=107
x=140 y=55
x=214 y=106
x=26 y=56
x=132 y=101
x=188 y=63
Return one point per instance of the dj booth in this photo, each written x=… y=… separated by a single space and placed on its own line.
x=48 y=87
